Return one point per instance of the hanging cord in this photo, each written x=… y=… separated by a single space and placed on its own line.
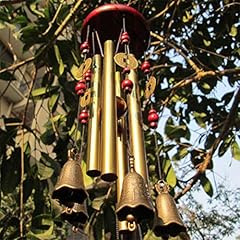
x=119 y=41
x=99 y=43
x=159 y=163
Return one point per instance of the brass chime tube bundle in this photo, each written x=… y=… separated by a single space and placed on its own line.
x=93 y=141
x=135 y=128
x=109 y=115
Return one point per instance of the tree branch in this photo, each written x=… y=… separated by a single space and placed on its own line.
x=229 y=121
x=203 y=74
x=10 y=2
x=178 y=50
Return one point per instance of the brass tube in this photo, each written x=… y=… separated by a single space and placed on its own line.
x=109 y=115
x=135 y=128
x=122 y=161
x=93 y=141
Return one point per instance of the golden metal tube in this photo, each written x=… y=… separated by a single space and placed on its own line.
x=135 y=128
x=109 y=115
x=122 y=162
x=93 y=150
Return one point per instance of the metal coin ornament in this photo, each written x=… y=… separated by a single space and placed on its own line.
x=85 y=100
x=126 y=60
x=84 y=67
x=150 y=87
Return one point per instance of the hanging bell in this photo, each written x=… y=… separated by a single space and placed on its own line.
x=77 y=215
x=168 y=220
x=70 y=186
x=135 y=203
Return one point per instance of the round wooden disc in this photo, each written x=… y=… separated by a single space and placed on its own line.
x=150 y=87
x=84 y=67
x=86 y=98
x=126 y=60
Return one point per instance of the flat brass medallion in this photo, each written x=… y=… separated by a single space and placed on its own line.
x=150 y=87
x=126 y=60
x=86 y=98
x=84 y=67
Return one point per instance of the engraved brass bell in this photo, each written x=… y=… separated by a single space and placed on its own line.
x=135 y=203
x=76 y=215
x=70 y=186
x=168 y=220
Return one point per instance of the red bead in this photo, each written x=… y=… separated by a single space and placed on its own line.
x=127 y=85
x=152 y=117
x=146 y=67
x=88 y=75
x=153 y=124
x=126 y=70
x=84 y=47
x=152 y=110
x=80 y=87
x=125 y=39
x=83 y=116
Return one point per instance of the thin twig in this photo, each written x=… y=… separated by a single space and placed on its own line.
x=162 y=12
x=179 y=50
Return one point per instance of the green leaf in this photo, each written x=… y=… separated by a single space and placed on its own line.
x=44 y=91
x=234 y=31
x=44 y=171
x=200 y=118
x=225 y=145
x=170 y=173
x=207 y=43
x=53 y=101
x=48 y=137
x=98 y=202
x=207 y=186
x=59 y=60
x=10 y=171
x=235 y=150
x=42 y=227
x=87 y=180
x=176 y=131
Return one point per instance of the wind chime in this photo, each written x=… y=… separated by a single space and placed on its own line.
x=113 y=37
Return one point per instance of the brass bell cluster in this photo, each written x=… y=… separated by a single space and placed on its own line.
x=70 y=191
x=113 y=36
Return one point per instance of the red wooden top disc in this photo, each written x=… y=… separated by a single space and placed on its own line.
x=107 y=20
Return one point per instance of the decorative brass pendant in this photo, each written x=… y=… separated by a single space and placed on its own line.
x=84 y=67
x=70 y=186
x=135 y=204
x=150 y=87
x=75 y=215
x=126 y=60
x=168 y=220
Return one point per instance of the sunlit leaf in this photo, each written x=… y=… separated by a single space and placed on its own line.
x=59 y=59
x=44 y=171
x=207 y=43
x=53 y=101
x=235 y=150
x=234 y=31
x=207 y=186
x=45 y=91
x=170 y=173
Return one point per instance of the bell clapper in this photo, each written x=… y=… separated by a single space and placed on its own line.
x=131 y=223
